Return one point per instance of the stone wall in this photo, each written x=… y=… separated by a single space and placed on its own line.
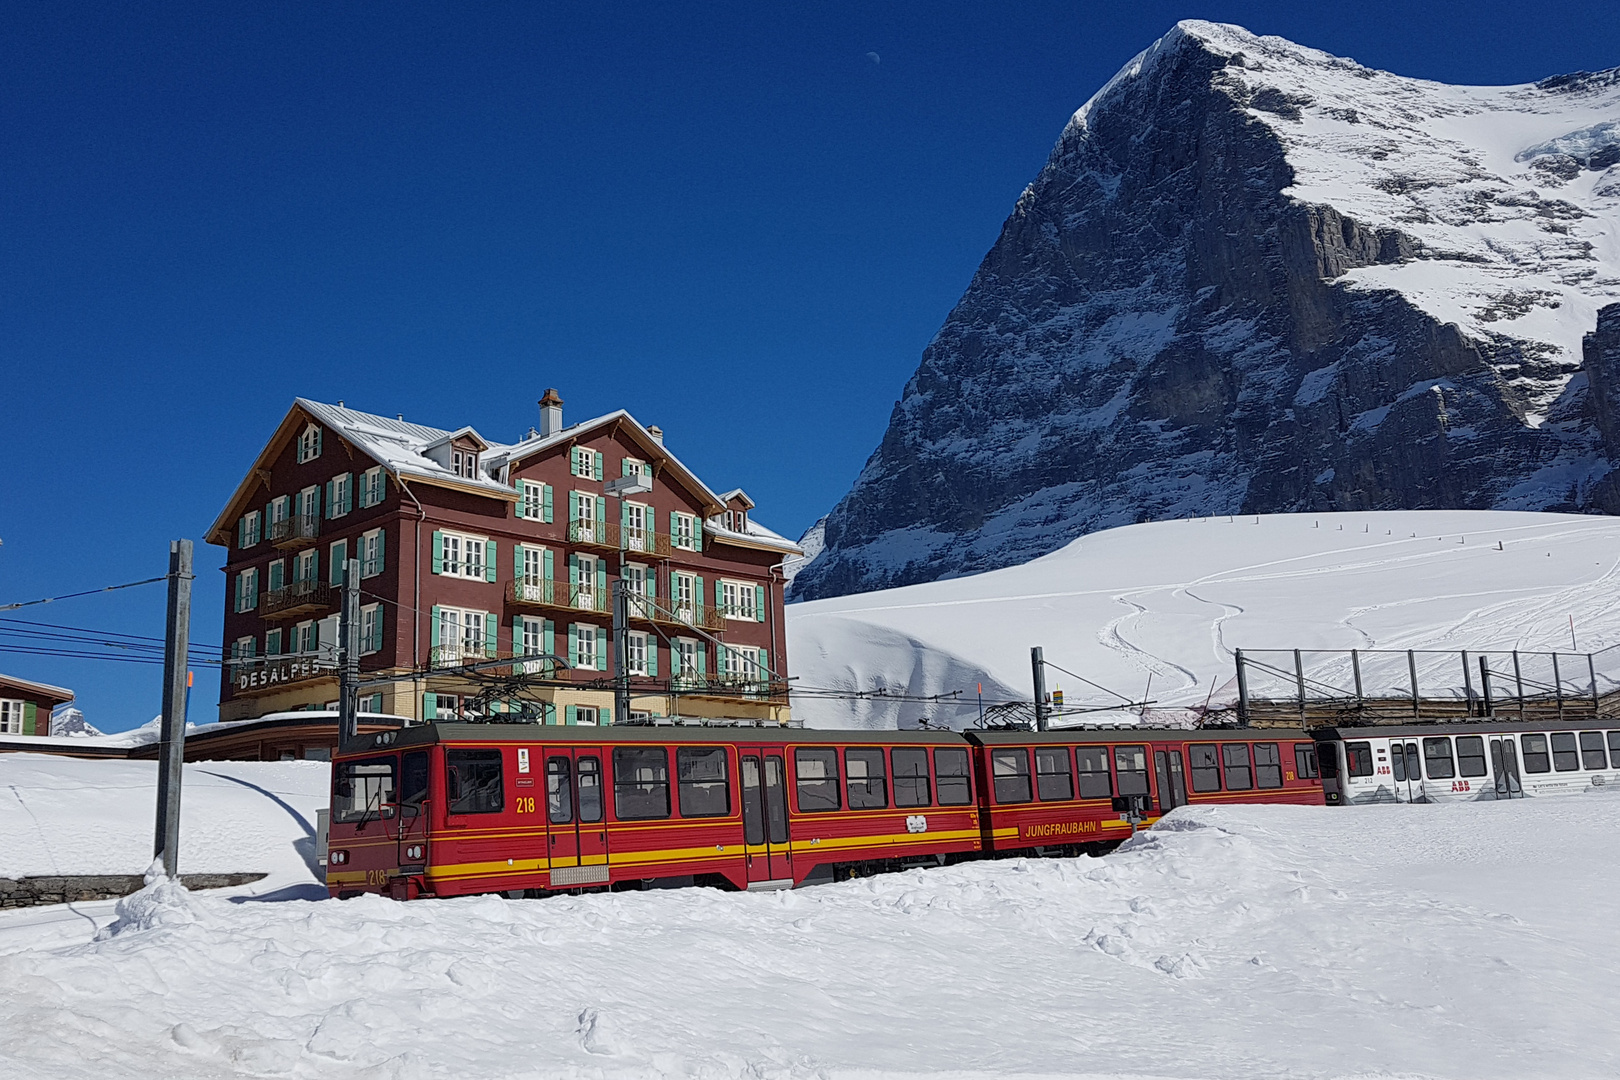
x=62 y=889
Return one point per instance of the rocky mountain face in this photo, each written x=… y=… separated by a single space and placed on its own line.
x=1253 y=277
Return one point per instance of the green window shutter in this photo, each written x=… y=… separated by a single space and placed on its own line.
x=624 y=466
x=601 y=649
x=673 y=518
x=377 y=629
x=601 y=510
x=348 y=492
x=568 y=715
x=573 y=644
x=492 y=638
x=547 y=567
x=545 y=500
x=624 y=516
x=430 y=706
x=382 y=535
x=517 y=563
x=517 y=636
x=340 y=554
x=30 y=718
x=764 y=663
x=331 y=503
x=241 y=531
x=317 y=442
x=701 y=655
x=573 y=461
x=522 y=486
x=490 y=555
x=573 y=571
x=652 y=582
x=268 y=507
x=236 y=599
x=573 y=507
x=433 y=627
x=697 y=532
x=652 y=655
x=719 y=595
x=759 y=603
x=697 y=591
x=276 y=572
x=601 y=578
x=548 y=638
x=596 y=465
x=438 y=552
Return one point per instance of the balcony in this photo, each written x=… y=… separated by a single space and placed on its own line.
x=458 y=653
x=702 y=616
x=299 y=598
x=610 y=536
x=262 y=674
x=295 y=531
x=726 y=686
x=559 y=594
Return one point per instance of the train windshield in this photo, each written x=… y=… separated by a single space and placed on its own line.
x=364 y=789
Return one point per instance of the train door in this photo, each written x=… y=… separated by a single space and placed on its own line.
x=1406 y=762
x=413 y=812
x=767 y=850
x=1168 y=769
x=577 y=838
x=1505 y=768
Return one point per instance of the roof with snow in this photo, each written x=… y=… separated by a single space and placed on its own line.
x=42 y=689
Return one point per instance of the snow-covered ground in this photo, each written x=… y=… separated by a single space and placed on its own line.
x=1174 y=598
x=1416 y=941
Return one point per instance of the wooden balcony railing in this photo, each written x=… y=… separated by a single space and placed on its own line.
x=559 y=594
x=610 y=536
x=668 y=613
x=295 y=531
x=299 y=598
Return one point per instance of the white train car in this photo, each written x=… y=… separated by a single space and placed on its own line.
x=1489 y=758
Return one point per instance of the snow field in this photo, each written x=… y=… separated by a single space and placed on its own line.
x=1172 y=599
x=1443 y=941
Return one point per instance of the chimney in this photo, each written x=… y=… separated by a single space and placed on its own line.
x=657 y=433
x=550 y=413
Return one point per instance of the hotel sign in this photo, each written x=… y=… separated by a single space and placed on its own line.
x=274 y=672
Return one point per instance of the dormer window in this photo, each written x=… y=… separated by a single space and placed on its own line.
x=464 y=463
x=309 y=444
x=737 y=521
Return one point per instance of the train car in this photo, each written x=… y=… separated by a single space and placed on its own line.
x=450 y=809
x=1085 y=789
x=1481 y=759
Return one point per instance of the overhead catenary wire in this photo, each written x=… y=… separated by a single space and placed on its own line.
x=86 y=592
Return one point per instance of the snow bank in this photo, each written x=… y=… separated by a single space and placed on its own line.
x=1447 y=941
x=1172 y=599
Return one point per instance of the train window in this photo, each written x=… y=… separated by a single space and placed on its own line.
x=1235 y=762
x=364 y=790
x=1535 y=753
x=559 y=792
x=1592 y=755
x=473 y=781
x=1614 y=748
x=701 y=775
x=1053 y=779
x=1397 y=762
x=1437 y=759
x=1305 y=761
x=413 y=783
x=868 y=788
x=910 y=776
x=640 y=783
x=588 y=779
x=1471 y=755
x=817 y=772
x=1206 y=767
x=1130 y=767
x=1009 y=769
x=1267 y=765
x=1359 y=757
x=952 y=786
x=1565 y=759
x=1096 y=782
x=1327 y=755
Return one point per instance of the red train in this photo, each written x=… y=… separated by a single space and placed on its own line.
x=449 y=809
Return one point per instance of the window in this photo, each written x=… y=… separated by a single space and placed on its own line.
x=1328 y=756
x=371 y=625
x=248 y=529
x=952 y=784
x=590 y=789
x=1235 y=773
x=635 y=654
x=272 y=642
x=910 y=767
x=685 y=596
x=736 y=521
x=305 y=637
x=372 y=487
x=1535 y=753
x=638 y=527
x=1437 y=764
x=1009 y=773
x=461 y=634
x=371 y=553
x=635 y=580
x=277 y=577
x=473 y=781
x=1205 y=763
x=1304 y=761
x=461 y=555
x=586 y=463
x=340 y=495
x=1565 y=759
x=701 y=774
x=12 y=712
x=337 y=557
x=532 y=501
x=559 y=792
x=868 y=787
x=1592 y=755
x=247 y=589
x=280 y=508
x=1267 y=766
x=306 y=566
x=309 y=503
x=1614 y=748
x=640 y=783
x=364 y=790
x=584 y=642
x=309 y=444
x=464 y=463
x=816 y=772
x=1471 y=755
x=683 y=531
x=686 y=655
x=737 y=599
x=242 y=648
x=413 y=780
x=1130 y=769
x=1095 y=780
x=586 y=570
x=1053 y=778
x=1359 y=755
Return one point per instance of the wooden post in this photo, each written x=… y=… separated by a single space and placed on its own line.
x=172 y=738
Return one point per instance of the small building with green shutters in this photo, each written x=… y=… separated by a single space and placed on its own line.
x=25 y=706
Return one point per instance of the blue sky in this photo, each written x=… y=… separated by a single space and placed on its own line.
x=736 y=223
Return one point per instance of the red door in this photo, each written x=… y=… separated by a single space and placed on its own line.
x=577 y=832
x=766 y=846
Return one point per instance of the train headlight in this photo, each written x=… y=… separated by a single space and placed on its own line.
x=414 y=852
x=337 y=858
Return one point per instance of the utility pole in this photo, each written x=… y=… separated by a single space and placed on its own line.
x=172 y=741
x=1037 y=663
x=621 y=643
x=349 y=647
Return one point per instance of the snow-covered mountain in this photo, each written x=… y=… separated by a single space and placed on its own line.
x=1255 y=277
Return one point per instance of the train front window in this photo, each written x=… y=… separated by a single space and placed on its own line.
x=364 y=790
x=1009 y=769
x=1206 y=767
x=1235 y=758
x=910 y=768
x=1471 y=755
x=1305 y=761
x=413 y=782
x=1130 y=769
x=1267 y=765
x=473 y=781
x=868 y=785
x=952 y=787
x=1437 y=759
x=1592 y=755
x=1359 y=757
x=1053 y=780
x=1534 y=751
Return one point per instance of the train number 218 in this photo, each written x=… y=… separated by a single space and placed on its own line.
x=525 y=804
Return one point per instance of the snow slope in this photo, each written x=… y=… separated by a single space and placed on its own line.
x=1433 y=941
x=1172 y=599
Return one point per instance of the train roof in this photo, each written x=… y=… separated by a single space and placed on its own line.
x=1477 y=725
x=461 y=733
x=1136 y=735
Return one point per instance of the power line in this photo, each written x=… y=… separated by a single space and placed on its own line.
x=87 y=592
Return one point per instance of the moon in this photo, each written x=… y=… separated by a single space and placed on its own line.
x=874 y=57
